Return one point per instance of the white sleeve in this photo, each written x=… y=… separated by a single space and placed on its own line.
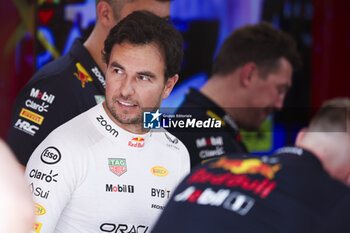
x=52 y=180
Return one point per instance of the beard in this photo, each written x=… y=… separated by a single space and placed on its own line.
x=124 y=116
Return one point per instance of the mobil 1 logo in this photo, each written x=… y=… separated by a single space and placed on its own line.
x=51 y=155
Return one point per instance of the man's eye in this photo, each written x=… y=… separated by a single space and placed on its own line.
x=118 y=71
x=282 y=90
x=144 y=78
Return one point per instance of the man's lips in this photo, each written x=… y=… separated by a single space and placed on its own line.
x=126 y=104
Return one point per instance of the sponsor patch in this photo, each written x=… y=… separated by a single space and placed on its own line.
x=26 y=127
x=47 y=177
x=39 y=192
x=224 y=198
x=117 y=166
x=160 y=193
x=204 y=154
x=158 y=207
x=137 y=142
x=99 y=76
x=44 y=96
x=263 y=188
x=159 y=171
x=247 y=166
x=212 y=141
x=32 y=116
x=174 y=141
x=37 y=227
x=33 y=105
x=51 y=155
x=39 y=209
x=107 y=126
x=82 y=75
x=120 y=227
x=122 y=188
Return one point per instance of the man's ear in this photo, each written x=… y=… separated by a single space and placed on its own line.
x=169 y=85
x=247 y=72
x=105 y=14
x=300 y=136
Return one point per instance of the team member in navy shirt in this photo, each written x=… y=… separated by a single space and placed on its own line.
x=299 y=189
x=72 y=83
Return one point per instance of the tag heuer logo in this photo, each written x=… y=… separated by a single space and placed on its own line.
x=117 y=166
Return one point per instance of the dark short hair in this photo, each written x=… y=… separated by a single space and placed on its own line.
x=143 y=27
x=262 y=44
x=333 y=116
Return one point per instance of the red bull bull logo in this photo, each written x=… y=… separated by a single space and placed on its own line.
x=82 y=75
x=247 y=166
x=137 y=142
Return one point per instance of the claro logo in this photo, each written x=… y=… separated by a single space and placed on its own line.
x=51 y=155
x=107 y=127
x=159 y=171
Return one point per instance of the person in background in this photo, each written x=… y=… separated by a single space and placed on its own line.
x=16 y=204
x=72 y=83
x=102 y=171
x=250 y=78
x=301 y=189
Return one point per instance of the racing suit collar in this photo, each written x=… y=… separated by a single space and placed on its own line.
x=303 y=153
x=117 y=134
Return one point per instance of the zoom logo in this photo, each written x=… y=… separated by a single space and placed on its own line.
x=107 y=127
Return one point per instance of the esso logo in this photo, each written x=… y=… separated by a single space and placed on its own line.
x=51 y=155
x=159 y=171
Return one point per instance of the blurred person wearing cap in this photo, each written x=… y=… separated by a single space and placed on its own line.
x=71 y=84
x=16 y=204
x=302 y=189
x=250 y=78
x=102 y=171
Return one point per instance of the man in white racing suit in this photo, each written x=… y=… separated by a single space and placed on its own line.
x=102 y=171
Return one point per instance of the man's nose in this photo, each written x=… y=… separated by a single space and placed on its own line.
x=279 y=102
x=127 y=86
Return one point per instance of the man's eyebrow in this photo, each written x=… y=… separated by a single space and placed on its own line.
x=147 y=73
x=116 y=64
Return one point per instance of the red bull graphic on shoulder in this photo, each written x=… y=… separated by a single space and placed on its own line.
x=82 y=75
x=247 y=166
x=117 y=166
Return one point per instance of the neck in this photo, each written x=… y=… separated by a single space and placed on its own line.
x=320 y=146
x=132 y=128
x=94 y=44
